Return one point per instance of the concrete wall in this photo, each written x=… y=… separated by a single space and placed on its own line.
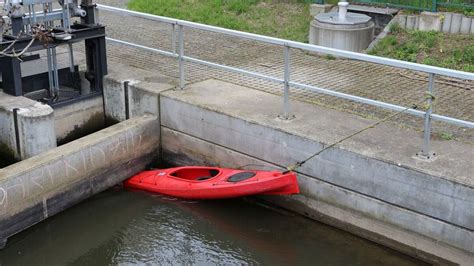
x=319 y=200
x=396 y=203
x=39 y=187
x=78 y=119
x=143 y=98
x=35 y=126
x=369 y=185
x=440 y=21
x=143 y=89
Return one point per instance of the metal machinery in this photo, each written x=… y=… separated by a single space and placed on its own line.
x=32 y=30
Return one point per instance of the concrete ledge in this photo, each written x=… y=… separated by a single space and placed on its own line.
x=36 y=188
x=373 y=9
x=377 y=165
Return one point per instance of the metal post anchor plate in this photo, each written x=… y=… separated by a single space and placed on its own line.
x=286 y=118
x=430 y=157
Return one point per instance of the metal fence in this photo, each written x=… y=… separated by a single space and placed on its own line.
x=421 y=5
x=286 y=81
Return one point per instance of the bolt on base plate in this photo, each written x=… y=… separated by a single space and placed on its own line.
x=286 y=118
x=430 y=157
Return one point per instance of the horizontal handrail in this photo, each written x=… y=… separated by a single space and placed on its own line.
x=357 y=56
x=376 y=103
x=297 y=45
x=384 y=105
x=198 y=61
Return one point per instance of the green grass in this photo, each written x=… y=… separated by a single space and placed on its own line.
x=431 y=48
x=330 y=57
x=282 y=19
x=395 y=28
x=446 y=136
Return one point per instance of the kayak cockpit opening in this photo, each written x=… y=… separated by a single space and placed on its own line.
x=196 y=174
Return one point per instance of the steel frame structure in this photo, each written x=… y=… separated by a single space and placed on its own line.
x=21 y=36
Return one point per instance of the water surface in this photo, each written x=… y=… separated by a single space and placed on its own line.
x=121 y=226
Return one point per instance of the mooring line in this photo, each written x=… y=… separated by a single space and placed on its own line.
x=428 y=96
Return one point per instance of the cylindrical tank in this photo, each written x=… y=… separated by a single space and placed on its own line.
x=343 y=30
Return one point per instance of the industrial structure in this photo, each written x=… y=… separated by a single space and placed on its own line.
x=34 y=29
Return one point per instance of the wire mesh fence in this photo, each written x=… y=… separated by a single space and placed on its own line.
x=421 y=5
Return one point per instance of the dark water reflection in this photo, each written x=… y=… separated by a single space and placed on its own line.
x=122 y=227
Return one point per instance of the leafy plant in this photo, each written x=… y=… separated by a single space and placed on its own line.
x=395 y=28
x=446 y=136
x=330 y=57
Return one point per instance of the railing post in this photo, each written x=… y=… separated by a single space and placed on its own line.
x=286 y=92
x=425 y=152
x=182 y=80
x=173 y=38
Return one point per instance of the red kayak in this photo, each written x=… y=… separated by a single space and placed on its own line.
x=195 y=182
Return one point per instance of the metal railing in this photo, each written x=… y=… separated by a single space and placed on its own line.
x=286 y=81
x=421 y=5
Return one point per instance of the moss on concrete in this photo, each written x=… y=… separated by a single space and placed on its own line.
x=95 y=123
x=109 y=121
x=7 y=156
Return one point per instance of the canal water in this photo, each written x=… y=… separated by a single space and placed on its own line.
x=125 y=227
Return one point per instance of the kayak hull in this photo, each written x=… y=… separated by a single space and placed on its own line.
x=195 y=182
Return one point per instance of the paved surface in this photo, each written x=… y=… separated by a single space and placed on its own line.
x=454 y=98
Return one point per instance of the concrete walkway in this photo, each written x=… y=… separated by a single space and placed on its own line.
x=454 y=98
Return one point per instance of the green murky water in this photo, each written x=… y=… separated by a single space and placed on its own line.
x=125 y=227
